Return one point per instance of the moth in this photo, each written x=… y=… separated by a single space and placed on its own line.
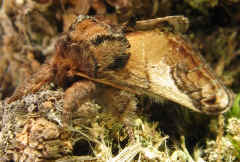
x=137 y=59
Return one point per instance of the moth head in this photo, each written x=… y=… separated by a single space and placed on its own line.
x=100 y=44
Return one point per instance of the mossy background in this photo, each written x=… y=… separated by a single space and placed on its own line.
x=164 y=131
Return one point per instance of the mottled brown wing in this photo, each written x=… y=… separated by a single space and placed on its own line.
x=150 y=61
x=163 y=64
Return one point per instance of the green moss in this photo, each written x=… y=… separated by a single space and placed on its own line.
x=235 y=110
x=236 y=145
x=202 y=5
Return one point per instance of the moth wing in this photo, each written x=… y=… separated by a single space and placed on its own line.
x=178 y=23
x=164 y=64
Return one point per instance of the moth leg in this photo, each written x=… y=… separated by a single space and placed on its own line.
x=179 y=23
x=34 y=83
x=121 y=105
x=76 y=95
